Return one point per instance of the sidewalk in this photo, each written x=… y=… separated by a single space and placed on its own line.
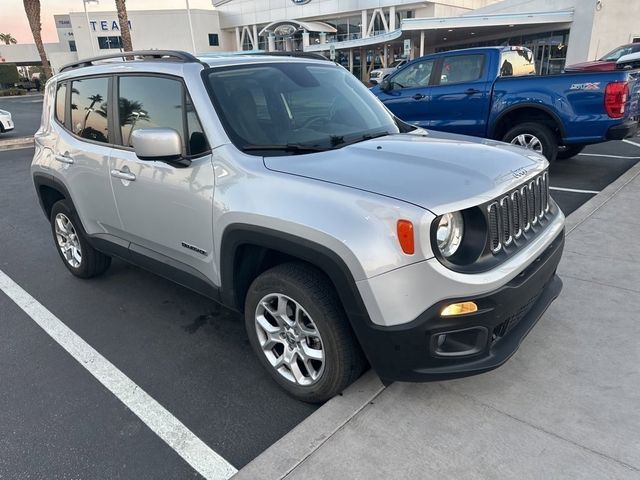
x=567 y=405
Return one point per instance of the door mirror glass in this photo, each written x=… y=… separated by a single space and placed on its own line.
x=386 y=85
x=159 y=144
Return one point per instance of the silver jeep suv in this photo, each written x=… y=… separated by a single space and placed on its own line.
x=280 y=187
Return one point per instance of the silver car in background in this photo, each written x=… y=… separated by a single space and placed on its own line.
x=282 y=188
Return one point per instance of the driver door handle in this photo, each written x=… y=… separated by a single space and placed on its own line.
x=123 y=175
x=471 y=91
x=418 y=96
x=64 y=159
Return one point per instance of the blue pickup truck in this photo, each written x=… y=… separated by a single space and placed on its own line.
x=494 y=92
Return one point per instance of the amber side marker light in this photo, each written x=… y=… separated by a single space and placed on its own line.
x=459 y=309
x=405 y=237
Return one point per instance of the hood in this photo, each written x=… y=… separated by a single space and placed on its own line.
x=596 y=66
x=438 y=174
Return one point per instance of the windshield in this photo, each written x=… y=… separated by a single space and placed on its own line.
x=619 y=52
x=294 y=108
x=396 y=64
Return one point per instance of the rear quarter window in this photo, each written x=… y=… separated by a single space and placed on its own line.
x=61 y=102
x=517 y=63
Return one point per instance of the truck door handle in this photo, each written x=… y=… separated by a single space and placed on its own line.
x=123 y=175
x=418 y=96
x=64 y=159
x=471 y=91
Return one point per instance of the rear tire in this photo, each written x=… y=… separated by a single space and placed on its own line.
x=534 y=136
x=293 y=317
x=568 y=151
x=80 y=258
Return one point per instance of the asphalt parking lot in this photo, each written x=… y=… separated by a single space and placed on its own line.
x=191 y=356
x=26 y=111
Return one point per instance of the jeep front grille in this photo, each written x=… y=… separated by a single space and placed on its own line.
x=516 y=213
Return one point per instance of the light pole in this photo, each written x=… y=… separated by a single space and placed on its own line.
x=193 y=41
x=86 y=14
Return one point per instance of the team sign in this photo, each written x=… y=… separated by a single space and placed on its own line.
x=106 y=25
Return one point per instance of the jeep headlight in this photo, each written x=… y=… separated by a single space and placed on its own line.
x=449 y=233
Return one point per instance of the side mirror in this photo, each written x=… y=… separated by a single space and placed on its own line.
x=159 y=144
x=386 y=85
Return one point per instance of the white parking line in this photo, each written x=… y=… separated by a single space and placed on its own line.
x=608 y=156
x=631 y=143
x=175 y=434
x=573 y=190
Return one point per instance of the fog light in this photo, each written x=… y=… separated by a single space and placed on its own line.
x=459 y=309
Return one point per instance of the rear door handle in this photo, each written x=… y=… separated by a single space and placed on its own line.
x=471 y=91
x=64 y=159
x=123 y=175
x=418 y=96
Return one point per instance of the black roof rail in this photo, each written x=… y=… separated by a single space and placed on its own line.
x=310 y=55
x=172 y=55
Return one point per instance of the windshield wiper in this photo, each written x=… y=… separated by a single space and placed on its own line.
x=289 y=147
x=366 y=136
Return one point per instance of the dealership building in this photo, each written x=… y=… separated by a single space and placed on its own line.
x=360 y=34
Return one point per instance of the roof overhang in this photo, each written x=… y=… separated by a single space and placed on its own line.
x=295 y=25
x=358 y=42
x=495 y=20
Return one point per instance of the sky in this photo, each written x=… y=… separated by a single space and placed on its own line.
x=14 y=21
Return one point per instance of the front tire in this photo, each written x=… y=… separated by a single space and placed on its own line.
x=534 y=136
x=80 y=258
x=300 y=333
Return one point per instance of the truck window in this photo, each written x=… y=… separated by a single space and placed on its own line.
x=415 y=75
x=517 y=63
x=461 y=69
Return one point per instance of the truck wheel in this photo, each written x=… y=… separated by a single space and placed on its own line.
x=534 y=136
x=568 y=151
x=300 y=333
x=78 y=256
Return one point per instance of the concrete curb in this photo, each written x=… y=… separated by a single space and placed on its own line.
x=12 y=143
x=587 y=209
x=281 y=458
x=41 y=95
x=284 y=456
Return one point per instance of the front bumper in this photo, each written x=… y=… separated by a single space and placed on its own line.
x=474 y=343
x=624 y=130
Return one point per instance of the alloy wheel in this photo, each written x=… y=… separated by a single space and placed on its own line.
x=67 y=240
x=290 y=339
x=529 y=141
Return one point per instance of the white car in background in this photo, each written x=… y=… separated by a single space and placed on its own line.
x=379 y=74
x=6 y=123
x=627 y=62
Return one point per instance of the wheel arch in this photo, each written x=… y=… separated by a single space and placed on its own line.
x=526 y=112
x=49 y=191
x=248 y=250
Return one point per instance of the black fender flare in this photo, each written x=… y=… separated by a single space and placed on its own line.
x=236 y=235
x=45 y=180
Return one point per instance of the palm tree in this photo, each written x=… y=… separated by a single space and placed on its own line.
x=7 y=39
x=123 y=20
x=94 y=99
x=32 y=9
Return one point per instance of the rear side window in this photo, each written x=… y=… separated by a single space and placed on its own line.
x=89 y=109
x=157 y=102
x=461 y=69
x=517 y=63
x=61 y=102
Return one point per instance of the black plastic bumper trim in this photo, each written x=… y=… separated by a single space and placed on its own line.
x=406 y=352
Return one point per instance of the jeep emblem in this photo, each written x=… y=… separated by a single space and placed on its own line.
x=519 y=173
